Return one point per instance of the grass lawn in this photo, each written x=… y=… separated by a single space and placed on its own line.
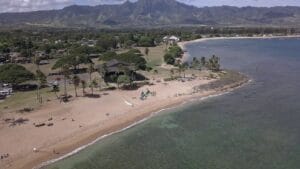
x=155 y=55
x=20 y=100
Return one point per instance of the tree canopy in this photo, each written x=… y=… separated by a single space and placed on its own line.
x=123 y=79
x=173 y=53
x=133 y=56
x=146 y=41
x=15 y=74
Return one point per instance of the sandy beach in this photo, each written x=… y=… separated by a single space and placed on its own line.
x=83 y=120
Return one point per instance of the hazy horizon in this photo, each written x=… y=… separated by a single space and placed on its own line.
x=36 y=5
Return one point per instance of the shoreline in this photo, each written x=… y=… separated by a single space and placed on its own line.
x=219 y=92
x=71 y=146
x=186 y=56
x=93 y=133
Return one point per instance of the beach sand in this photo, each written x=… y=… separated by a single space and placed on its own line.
x=83 y=120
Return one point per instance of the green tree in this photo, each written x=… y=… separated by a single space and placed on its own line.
x=90 y=71
x=15 y=74
x=214 y=63
x=172 y=73
x=64 y=65
x=41 y=77
x=107 y=42
x=147 y=51
x=76 y=82
x=203 y=61
x=173 y=53
x=182 y=68
x=146 y=41
x=169 y=59
x=108 y=56
x=195 y=63
x=93 y=84
x=83 y=85
x=133 y=56
x=123 y=80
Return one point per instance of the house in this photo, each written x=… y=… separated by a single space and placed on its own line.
x=112 y=69
x=46 y=41
x=16 y=57
x=4 y=58
x=61 y=51
x=171 y=39
x=44 y=62
x=41 y=55
x=5 y=90
x=94 y=55
x=89 y=43
x=57 y=41
x=117 y=67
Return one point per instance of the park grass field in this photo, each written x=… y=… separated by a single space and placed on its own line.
x=155 y=55
x=21 y=100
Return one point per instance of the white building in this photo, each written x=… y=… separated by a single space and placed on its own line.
x=171 y=39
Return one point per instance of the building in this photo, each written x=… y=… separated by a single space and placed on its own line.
x=44 y=62
x=4 y=58
x=89 y=43
x=5 y=90
x=41 y=55
x=61 y=51
x=16 y=57
x=171 y=39
x=112 y=69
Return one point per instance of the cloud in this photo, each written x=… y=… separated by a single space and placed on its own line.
x=34 y=5
x=31 y=5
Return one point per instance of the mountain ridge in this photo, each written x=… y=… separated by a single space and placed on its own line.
x=146 y=13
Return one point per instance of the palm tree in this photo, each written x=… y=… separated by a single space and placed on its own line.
x=146 y=51
x=182 y=68
x=83 y=85
x=214 y=63
x=93 y=84
x=203 y=61
x=195 y=63
x=64 y=66
x=172 y=73
x=102 y=71
x=42 y=80
x=36 y=61
x=91 y=70
x=76 y=82
x=98 y=80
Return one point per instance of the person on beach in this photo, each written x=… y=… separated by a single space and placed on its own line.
x=55 y=152
x=35 y=150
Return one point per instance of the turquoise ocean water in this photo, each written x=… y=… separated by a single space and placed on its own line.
x=254 y=127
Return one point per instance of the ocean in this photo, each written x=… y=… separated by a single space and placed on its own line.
x=254 y=127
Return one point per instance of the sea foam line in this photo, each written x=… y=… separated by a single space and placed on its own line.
x=77 y=150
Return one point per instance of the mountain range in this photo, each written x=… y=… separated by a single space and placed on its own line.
x=155 y=13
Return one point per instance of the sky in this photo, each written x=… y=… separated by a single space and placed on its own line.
x=34 y=5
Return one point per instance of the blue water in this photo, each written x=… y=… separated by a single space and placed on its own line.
x=254 y=127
